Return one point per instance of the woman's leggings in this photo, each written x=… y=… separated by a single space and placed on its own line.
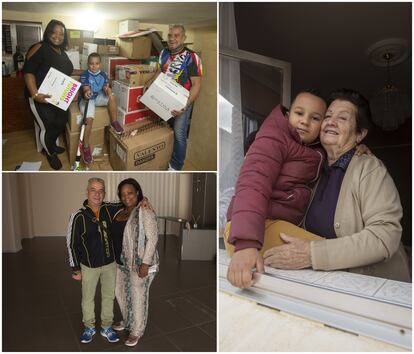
x=51 y=121
x=273 y=228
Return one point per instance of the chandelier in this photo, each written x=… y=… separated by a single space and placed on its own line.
x=390 y=106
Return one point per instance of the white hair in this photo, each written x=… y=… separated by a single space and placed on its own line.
x=96 y=179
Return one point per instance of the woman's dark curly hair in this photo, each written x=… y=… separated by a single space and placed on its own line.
x=49 y=30
x=134 y=184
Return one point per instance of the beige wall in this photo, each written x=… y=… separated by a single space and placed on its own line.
x=40 y=204
x=108 y=30
x=11 y=236
x=202 y=144
x=190 y=33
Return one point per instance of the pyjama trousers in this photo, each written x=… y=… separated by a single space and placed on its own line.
x=132 y=294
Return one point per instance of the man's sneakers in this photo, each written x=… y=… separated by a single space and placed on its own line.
x=110 y=335
x=170 y=168
x=118 y=128
x=87 y=335
x=87 y=155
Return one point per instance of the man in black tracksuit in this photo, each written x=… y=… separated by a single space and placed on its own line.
x=91 y=256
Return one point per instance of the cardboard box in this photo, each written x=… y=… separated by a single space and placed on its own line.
x=135 y=48
x=108 y=49
x=97 y=141
x=150 y=149
x=89 y=48
x=130 y=117
x=84 y=62
x=74 y=57
x=109 y=63
x=101 y=119
x=104 y=41
x=61 y=87
x=165 y=95
x=135 y=75
x=78 y=37
x=127 y=97
x=128 y=26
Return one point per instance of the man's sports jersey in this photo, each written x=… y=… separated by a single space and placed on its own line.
x=181 y=66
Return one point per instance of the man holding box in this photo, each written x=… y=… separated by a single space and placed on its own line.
x=184 y=66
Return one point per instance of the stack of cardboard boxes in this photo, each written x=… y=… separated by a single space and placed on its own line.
x=148 y=142
x=98 y=140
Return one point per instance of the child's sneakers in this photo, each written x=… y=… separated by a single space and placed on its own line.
x=118 y=128
x=87 y=155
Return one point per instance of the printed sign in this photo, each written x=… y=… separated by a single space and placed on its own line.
x=61 y=87
x=74 y=34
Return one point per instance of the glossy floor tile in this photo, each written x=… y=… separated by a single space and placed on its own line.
x=41 y=303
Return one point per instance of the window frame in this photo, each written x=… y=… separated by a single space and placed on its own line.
x=13 y=31
x=383 y=320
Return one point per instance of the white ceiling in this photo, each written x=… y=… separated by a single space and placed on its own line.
x=188 y=14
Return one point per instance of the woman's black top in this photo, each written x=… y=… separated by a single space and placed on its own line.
x=117 y=233
x=44 y=59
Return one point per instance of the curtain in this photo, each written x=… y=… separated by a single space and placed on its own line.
x=230 y=115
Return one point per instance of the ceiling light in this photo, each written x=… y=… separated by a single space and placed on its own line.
x=390 y=106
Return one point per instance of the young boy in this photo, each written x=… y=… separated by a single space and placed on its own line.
x=95 y=88
x=276 y=178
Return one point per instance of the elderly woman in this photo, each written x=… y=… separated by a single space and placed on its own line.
x=355 y=206
x=135 y=234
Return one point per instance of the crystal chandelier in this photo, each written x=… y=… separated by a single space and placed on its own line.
x=390 y=106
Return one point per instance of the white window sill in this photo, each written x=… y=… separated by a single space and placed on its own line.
x=364 y=305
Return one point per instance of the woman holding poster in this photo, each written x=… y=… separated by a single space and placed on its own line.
x=49 y=53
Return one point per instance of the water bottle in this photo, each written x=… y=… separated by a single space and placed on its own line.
x=4 y=69
x=18 y=60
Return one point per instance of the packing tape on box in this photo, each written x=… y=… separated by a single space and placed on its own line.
x=144 y=129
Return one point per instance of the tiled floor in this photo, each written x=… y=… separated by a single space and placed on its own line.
x=41 y=303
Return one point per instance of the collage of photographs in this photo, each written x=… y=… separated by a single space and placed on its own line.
x=206 y=176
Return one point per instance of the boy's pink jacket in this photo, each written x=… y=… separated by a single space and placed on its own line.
x=275 y=181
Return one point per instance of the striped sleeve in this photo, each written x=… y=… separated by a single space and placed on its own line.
x=76 y=227
x=195 y=67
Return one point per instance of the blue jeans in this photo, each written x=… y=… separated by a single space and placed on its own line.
x=180 y=126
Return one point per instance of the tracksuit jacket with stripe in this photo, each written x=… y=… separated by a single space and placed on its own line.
x=88 y=240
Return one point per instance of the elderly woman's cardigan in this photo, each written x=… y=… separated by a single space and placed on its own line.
x=367 y=225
